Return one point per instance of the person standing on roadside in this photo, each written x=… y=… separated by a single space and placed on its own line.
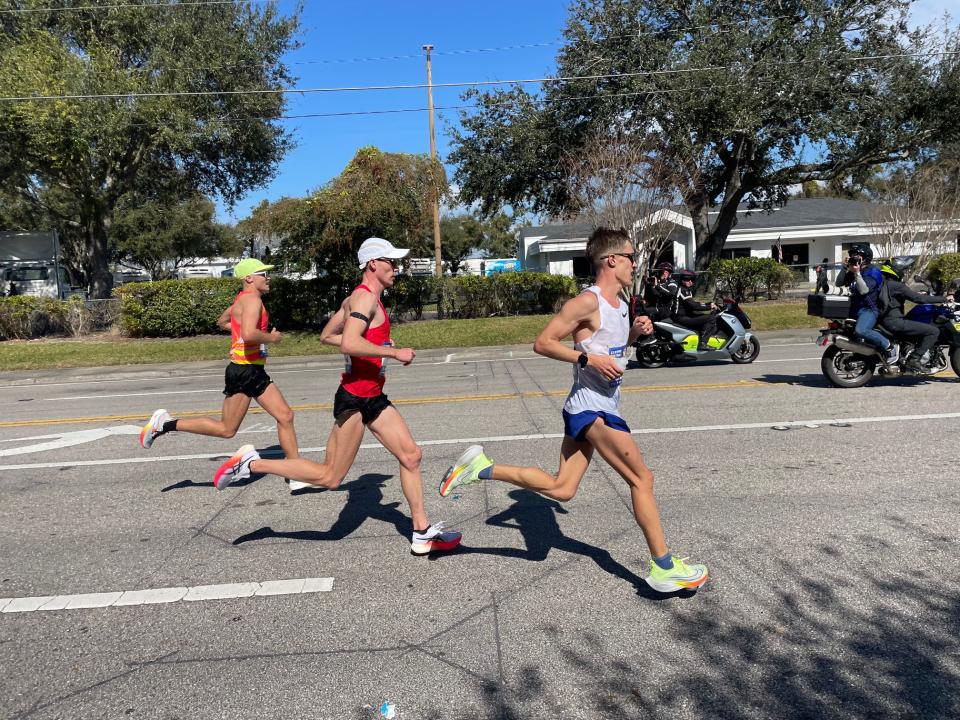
x=245 y=378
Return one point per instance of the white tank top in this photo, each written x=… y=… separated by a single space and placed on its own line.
x=592 y=391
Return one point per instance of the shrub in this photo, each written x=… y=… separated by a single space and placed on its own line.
x=750 y=275
x=300 y=304
x=24 y=316
x=471 y=296
x=405 y=300
x=174 y=308
x=944 y=268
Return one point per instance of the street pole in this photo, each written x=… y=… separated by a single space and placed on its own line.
x=433 y=156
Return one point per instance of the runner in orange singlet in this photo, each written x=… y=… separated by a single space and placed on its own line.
x=361 y=328
x=245 y=377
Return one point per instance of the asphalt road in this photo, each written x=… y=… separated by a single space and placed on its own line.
x=831 y=542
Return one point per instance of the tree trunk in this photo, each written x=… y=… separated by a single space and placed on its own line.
x=99 y=277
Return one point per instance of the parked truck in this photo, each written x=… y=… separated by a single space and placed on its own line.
x=30 y=265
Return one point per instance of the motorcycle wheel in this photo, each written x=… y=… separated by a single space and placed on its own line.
x=955 y=360
x=845 y=369
x=652 y=355
x=747 y=352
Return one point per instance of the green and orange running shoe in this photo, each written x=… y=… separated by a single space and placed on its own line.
x=466 y=470
x=680 y=577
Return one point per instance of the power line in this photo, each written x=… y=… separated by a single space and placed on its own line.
x=420 y=86
x=144 y=6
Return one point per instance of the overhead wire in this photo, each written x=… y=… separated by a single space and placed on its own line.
x=436 y=86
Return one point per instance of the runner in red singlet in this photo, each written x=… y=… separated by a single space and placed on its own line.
x=245 y=377
x=361 y=328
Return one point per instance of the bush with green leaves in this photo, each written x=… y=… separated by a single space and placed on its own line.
x=24 y=316
x=944 y=268
x=174 y=308
x=471 y=296
x=405 y=300
x=752 y=276
x=178 y=308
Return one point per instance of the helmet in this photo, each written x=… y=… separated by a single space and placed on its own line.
x=665 y=266
x=685 y=274
x=863 y=250
x=898 y=267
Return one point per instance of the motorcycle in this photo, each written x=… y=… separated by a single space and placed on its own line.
x=848 y=362
x=670 y=341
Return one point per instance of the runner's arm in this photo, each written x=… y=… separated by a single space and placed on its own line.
x=250 y=309
x=332 y=332
x=352 y=341
x=573 y=313
x=223 y=322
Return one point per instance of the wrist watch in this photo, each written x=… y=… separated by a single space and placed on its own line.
x=582 y=360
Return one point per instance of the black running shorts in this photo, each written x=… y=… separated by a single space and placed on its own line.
x=369 y=407
x=249 y=380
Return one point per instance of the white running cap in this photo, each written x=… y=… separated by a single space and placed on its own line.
x=375 y=247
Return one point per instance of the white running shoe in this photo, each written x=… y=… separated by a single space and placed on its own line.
x=434 y=539
x=153 y=428
x=893 y=354
x=298 y=484
x=236 y=468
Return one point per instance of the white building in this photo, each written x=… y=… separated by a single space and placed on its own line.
x=805 y=229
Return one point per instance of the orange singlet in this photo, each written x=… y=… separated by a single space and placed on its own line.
x=242 y=352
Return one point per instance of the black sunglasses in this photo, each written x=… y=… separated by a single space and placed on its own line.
x=393 y=263
x=628 y=256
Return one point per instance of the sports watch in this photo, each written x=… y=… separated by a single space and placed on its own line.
x=582 y=360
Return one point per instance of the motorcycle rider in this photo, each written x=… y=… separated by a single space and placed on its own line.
x=660 y=292
x=924 y=334
x=687 y=312
x=866 y=305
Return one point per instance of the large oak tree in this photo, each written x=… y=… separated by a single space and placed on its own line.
x=738 y=99
x=194 y=95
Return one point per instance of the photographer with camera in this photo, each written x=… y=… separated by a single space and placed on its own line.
x=660 y=291
x=866 y=282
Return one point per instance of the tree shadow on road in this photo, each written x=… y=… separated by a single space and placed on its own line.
x=364 y=501
x=843 y=640
x=535 y=516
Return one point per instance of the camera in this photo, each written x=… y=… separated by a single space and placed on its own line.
x=853 y=260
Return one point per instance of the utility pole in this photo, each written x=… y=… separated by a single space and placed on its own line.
x=433 y=156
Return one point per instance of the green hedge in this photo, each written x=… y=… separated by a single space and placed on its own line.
x=24 y=316
x=944 y=268
x=177 y=308
x=522 y=293
x=750 y=275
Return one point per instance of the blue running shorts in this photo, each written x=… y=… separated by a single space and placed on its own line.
x=576 y=426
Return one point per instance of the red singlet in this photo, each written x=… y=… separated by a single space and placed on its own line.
x=365 y=376
x=241 y=351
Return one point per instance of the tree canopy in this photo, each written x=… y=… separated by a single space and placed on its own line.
x=174 y=108
x=463 y=234
x=739 y=100
x=378 y=194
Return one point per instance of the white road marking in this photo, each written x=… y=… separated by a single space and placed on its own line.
x=447 y=361
x=297 y=586
x=500 y=438
x=141 y=394
x=69 y=439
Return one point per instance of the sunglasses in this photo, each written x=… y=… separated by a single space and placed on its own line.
x=393 y=263
x=628 y=256
x=262 y=273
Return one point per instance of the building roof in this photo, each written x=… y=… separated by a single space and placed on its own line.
x=558 y=232
x=802 y=212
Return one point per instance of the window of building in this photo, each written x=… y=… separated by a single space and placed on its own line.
x=734 y=253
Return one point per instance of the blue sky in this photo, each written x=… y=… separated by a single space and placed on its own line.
x=339 y=38
x=374 y=29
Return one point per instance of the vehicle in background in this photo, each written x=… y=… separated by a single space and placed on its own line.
x=30 y=265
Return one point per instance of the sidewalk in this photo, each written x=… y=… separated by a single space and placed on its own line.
x=186 y=369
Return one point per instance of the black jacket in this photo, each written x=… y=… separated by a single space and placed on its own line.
x=899 y=293
x=685 y=306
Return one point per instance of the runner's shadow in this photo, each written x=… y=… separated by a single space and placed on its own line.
x=272 y=452
x=364 y=501
x=535 y=517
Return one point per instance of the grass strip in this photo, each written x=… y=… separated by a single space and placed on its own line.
x=105 y=350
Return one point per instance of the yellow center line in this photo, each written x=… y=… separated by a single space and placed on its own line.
x=403 y=401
